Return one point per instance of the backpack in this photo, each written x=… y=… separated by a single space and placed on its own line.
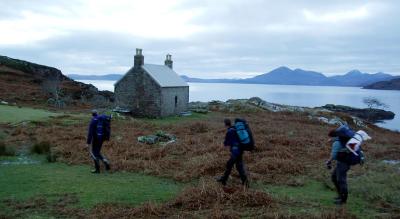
x=351 y=153
x=353 y=159
x=103 y=127
x=344 y=133
x=244 y=134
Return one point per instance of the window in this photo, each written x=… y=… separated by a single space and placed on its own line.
x=176 y=101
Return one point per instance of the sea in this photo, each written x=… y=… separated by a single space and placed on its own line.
x=295 y=95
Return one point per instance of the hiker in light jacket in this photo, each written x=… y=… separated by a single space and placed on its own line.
x=236 y=157
x=346 y=151
x=339 y=174
x=96 y=142
x=339 y=153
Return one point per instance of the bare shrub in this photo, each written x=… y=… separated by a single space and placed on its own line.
x=373 y=102
x=52 y=86
x=198 y=127
x=42 y=147
x=6 y=150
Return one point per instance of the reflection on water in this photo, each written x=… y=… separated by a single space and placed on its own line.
x=310 y=96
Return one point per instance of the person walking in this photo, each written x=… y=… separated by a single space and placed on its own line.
x=236 y=155
x=346 y=151
x=95 y=139
x=339 y=174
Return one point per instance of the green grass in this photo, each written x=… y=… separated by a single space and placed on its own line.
x=2 y=135
x=315 y=198
x=71 y=119
x=13 y=114
x=51 y=181
x=8 y=158
x=379 y=184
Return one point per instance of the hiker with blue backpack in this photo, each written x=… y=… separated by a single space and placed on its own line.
x=239 y=138
x=346 y=151
x=98 y=132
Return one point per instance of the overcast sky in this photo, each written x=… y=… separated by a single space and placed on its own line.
x=208 y=38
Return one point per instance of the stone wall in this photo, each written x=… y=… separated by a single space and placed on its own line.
x=125 y=90
x=139 y=93
x=174 y=100
x=149 y=93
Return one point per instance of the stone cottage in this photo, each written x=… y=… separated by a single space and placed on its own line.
x=152 y=90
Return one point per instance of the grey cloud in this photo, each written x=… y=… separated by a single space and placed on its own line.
x=239 y=36
x=14 y=9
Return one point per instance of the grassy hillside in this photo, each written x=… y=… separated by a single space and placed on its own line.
x=21 y=182
x=74 y=189
x=31 y=84
x=13 y=114
x=288 y=177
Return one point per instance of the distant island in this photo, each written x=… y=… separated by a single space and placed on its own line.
x=280 y=76
x=110 y=77
x=393 y=84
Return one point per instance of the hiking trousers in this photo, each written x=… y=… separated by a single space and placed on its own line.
x=339 y=179
x=96 y=155
x=237 y=160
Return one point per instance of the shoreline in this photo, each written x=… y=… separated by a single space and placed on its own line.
x=327 y=114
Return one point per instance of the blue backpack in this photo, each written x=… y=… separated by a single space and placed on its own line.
x=245 y=136
x=345 y=134
x=103 y=127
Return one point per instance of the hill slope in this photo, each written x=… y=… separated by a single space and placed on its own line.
x=393 y=84
x=24 y=82
x=284 y=75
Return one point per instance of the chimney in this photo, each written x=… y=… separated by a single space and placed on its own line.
x=139 y=59
x=168 y=61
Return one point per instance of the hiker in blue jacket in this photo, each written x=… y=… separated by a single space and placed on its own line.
x=96 y=141
x=339 y=174
x=236 y=157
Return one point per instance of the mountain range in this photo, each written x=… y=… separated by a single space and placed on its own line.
x=282 y=76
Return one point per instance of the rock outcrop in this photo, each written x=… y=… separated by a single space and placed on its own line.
x=372 y=115
x=330 y=114
x=24 y=82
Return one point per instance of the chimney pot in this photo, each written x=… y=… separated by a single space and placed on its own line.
x=138 y=51
x=139 y=58
x=168 y=61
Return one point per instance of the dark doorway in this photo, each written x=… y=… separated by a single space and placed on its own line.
x=176 y=101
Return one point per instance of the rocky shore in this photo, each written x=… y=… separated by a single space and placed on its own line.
x=331 y=114
x=372 y=115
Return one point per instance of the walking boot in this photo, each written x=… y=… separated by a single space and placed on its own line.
x=246 y=183
x=107 y=165
x=96 y=167
x=341 y=200
x=221 y=180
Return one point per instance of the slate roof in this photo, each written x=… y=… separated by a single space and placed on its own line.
x=164 y=76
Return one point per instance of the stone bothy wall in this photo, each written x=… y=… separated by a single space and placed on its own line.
x=174 y=100
x=139 y=93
